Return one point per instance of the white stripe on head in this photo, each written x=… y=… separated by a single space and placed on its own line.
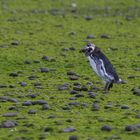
x=92 y=46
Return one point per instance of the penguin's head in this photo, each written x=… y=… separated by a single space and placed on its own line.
x=89 y=48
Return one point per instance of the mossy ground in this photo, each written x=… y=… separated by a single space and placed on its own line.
x=50 y=27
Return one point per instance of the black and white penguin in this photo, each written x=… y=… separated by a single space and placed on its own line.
x=101 y=65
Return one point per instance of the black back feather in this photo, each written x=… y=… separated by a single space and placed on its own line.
x=98 y=54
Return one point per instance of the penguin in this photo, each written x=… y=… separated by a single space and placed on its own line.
x=101 y=65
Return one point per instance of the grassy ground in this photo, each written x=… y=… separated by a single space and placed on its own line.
x=31 y=29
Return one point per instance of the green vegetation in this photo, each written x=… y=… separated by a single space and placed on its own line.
x=58 y=29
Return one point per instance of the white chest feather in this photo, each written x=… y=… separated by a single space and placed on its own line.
x=99 y=68
x=93 y=65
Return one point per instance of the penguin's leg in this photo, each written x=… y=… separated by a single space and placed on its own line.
x=110 y=85
x=106 y=86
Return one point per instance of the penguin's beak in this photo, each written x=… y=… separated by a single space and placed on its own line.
x=83 y=50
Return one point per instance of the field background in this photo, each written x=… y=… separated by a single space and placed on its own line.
x=48 y=89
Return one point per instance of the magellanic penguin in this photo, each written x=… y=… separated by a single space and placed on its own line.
x=101 y=65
